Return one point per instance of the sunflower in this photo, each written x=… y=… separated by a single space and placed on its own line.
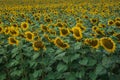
x=117 y=19
x=108 y=44
x=7 y=30
x=37 y=45
x=51 y=31
x=29 y=36
x=12 y=40
x=24 y=25
x=101 y=25
x=110 y=22
x=100 y=32
x=77 y=33
x=94 y=21
x=44 y=28
x=14 y=32
x=1 y=29
x=94 y=28
x=94 y=43
x=59 y=43
x=64 y=31
x=59 y=24
x=48 y=38
x=83 y=28
x=117 y=23
x=117 y=35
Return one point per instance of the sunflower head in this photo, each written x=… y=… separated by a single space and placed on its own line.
x=94 y=43
x=94 y=28
x=59 y=43
x=44 y=28
x=77 y=33
x=102 y=25
x=117 y=35
x=7 y=30
x=29 y=36
x=64 y=31
x=14 y=32
x=94 y=21
x=110 y=22
x=83 y=28
x=37 y=45
x=1 y=29
x=24 y=26
x=12 y=41
x=108 y=44
x=59 y=24
x=100 y=32
x=117 y=24
x=48 y=38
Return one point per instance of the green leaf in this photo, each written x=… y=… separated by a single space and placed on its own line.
x=70 y=76
x=66 y=59
x=92 y=76
x=74 y=57
x=60 y=55
x=35 y=56
x=61 y=67
x=80 y=74
x=37 y=73
x=91 y=62
x=100 y=70
x=84 y=61
x=106 y=62
x=2 y=76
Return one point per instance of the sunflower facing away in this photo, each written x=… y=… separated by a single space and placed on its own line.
x=108 y=44
x=29 y=36
x=59 y=43
x=12 y=40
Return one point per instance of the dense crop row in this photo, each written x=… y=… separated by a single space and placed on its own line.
x=54 y=40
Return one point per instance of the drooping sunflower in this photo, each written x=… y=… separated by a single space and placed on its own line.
x=37 y=45
x=1 y=29
x=59 y=43
x=24 y=26
x=29 y=36
x=12 y=40
x=77 y=33
x=64 y=31
x=108 y=44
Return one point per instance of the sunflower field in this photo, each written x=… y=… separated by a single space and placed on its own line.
x=59 y=39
